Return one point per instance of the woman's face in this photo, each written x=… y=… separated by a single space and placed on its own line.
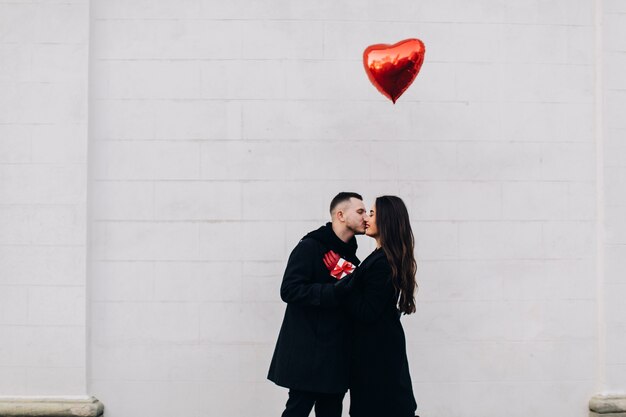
x=370 y=223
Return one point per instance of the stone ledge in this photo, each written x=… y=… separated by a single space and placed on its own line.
x=607 y=406
x=50 y=407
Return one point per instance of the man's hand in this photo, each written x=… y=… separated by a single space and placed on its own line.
x=330 y=259
x=337 y=266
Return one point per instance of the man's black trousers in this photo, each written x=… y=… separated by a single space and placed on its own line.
x=300 y=404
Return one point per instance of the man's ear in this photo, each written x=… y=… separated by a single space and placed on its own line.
x=340 y=215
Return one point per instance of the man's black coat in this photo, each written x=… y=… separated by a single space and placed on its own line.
x=313 y=348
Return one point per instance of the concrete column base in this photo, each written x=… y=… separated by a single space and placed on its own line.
x=607 y=406
x=50 y=407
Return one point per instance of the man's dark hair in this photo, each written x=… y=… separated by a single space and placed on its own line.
x=341 y=197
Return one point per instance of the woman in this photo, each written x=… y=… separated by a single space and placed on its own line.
x=377 y=293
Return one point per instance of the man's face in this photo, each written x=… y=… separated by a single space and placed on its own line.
x=354 y=215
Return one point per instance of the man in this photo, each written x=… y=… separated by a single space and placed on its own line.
x=312 y=355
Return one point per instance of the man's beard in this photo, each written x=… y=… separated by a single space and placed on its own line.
x=355 y=230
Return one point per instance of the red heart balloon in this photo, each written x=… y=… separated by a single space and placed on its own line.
x=392 y=68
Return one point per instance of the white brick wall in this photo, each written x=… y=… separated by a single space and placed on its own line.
x=212 y=139
x=218 y=134
x=43 y=188
x=614 y=246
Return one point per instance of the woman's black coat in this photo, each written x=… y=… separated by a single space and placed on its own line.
x=313 y=348
x=380 y=384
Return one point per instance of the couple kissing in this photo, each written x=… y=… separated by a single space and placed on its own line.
x=341 y=328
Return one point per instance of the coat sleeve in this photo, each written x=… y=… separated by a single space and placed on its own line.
x=368 y=300
x=298 y=286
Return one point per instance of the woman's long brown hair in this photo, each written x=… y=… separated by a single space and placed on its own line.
x=398 y=243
